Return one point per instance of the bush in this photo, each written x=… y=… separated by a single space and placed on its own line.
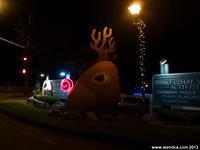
x=48 y=99
x=181 y=116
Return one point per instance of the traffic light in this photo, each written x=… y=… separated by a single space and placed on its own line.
x=24 y=71
x=24 y=64
x=25 y=59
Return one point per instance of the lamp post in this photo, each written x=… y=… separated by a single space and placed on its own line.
x=42 y=75
x=41 y=79
x=27 y=52
x=164 y=66
x=65 y=74
x=62 y=74
x=141 y=83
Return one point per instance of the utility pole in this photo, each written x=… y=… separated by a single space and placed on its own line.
x=27 y=51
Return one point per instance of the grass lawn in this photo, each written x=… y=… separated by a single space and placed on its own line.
x=134 y=128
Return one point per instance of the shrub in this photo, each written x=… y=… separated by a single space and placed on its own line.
x=191 y=117
x=45 y=98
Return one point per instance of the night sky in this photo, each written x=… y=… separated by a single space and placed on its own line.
x=60 y=35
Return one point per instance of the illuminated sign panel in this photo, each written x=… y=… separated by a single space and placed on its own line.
x=56 y=90
x=59 y=88
x=180 y=89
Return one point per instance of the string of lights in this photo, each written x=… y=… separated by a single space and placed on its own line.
x=141 y=52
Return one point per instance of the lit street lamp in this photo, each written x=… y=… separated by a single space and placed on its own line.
x=64 y=74
x=41 y=78
x=164 y=66
x=42 y=75
x=3 y=6
x=141 y=83
x=135 y=9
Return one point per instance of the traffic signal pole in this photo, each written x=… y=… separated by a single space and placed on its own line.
x=26 y=48
x=26 y=74
x=27 y=51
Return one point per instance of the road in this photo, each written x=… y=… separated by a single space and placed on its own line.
x=15 y=134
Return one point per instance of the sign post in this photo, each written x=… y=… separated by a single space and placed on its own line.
x=151 y=105
x=179 y=90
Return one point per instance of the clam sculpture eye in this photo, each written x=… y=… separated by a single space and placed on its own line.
x=101 y=78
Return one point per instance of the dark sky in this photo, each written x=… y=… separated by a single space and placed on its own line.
x=60 y=32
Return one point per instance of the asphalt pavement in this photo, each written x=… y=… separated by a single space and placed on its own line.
x=15 y=134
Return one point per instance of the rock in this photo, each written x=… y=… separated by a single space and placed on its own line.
x=30 y=100
x=38 y=103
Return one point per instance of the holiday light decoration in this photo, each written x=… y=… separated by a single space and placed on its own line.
x=46 y=85
x=96 y=89
x=141 y=83
x=103 y=44
x=141 y=52
x=66 y=85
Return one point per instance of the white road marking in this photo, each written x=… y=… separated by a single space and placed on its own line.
x=39 y=138
x=47 y=141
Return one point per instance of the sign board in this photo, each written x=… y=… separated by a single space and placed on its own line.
x=56 y=89
x=179 y=89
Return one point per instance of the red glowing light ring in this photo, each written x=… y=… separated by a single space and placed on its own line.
x=67 y=85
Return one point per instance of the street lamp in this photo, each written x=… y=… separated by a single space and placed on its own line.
x=163 y=61
x=65 y=74
x=3 y=6
x=42 y=75
x=135 y=10
x=41 y=78
x=164 y=66
x=62 y=74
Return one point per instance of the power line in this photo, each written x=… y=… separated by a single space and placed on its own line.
x=13 y=43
